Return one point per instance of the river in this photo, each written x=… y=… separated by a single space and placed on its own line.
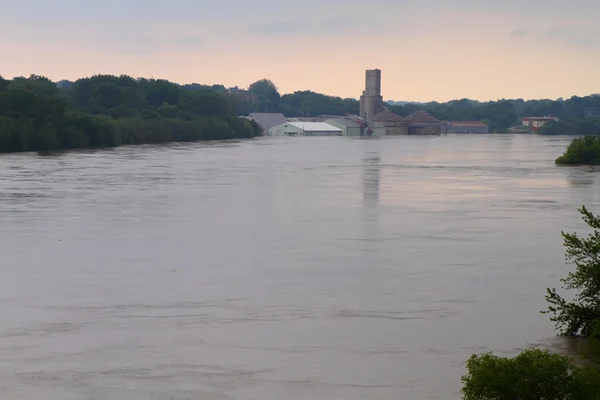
x=268 y=269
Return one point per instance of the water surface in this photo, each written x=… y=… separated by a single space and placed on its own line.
x=321 y=268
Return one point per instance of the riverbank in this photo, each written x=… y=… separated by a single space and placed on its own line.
x=91 y=132
x=83 y=131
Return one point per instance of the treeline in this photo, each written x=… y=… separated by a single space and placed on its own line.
x=500 y=115
x=37 y=114
x=585 y=126
x=105 y=111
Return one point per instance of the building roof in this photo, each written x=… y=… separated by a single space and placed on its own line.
x=539 y=118
x=421 y=117
x=345 y=121
x=468 y=123
x=268 y=120
x=315 y=126
x=318 y=118
x=387 y=116
x=306 y=119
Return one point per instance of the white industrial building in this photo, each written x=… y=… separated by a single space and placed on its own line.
x=301 y=128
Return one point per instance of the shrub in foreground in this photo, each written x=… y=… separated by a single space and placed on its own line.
x=581 y=315
x=582 y=151
x=532 y=375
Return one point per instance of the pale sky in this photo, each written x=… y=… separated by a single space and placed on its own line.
x=427 y=49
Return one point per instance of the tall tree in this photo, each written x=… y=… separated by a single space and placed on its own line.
x=580 y=316
x=266 y=89
x=3 y=84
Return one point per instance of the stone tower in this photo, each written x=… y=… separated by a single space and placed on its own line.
x=371 y=100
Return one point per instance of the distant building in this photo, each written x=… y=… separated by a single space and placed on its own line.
x=467 y=127
x=393 y=123
x=353 y=126
x=348 y=126
x=378 y=128
x=418 y=123
x=372 y=108
x=536 y=123
x=298 y=128
x=267 y=120
x=592 y=112
x=423 y=123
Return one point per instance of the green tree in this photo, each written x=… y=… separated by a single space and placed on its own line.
x=160 y=91
x=532 y=375
x=268 y=95
x=582 y=151
x=107 y=110
x=580 y=316
x=3 y=84
x=35 y=84
x=108 y=95
x=265 y=88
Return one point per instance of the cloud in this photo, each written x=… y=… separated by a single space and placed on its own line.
x=560 y=33
x=330 y=25
x=144 y=45
x=340 y=23
x=519 y=33
x=279 y=28
x=573 y=37
x=521 y=7
x=190 y=41
x=140 y=46
x=591 y=39
x=7 y=59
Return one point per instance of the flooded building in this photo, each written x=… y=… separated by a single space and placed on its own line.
x=393 y=123
x=467 y=127
x=267 y=120
x=423 y=123
x=373 y=110
x=299 y=128
x=419 y=123
x=355 y=126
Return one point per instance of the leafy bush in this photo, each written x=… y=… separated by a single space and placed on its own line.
x=532 y=375
x=582 y=151
x=582 y=315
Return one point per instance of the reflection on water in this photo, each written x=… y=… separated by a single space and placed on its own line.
x=322 y=268
x=580 y=176
x=372 y=164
